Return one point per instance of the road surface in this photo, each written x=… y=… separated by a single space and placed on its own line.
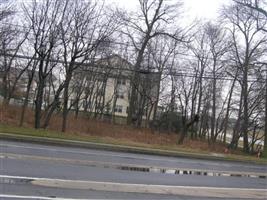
x=33 y=171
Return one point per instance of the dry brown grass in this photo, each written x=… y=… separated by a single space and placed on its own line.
x=83 y=126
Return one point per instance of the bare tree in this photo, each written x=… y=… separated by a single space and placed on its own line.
x=244 y=27
x=13 y=69
x=200 y=49
x=228 y=107
x=184 y=96
x=162 y=52
x=265 y=132
x=6 y=9
x=43 y=18
x=141 y=28
x=31 y=72
x=12 y=39
x=218 y=47
x=260 y=17
x=82 y=31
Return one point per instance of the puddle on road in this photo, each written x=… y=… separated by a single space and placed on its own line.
x=5 y=180
x=188 y=172
x=147 y=169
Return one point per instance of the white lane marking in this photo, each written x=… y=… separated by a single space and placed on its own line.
x=163 y=186
x=36 y=197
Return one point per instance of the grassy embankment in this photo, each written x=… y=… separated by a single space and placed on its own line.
x=83 y=129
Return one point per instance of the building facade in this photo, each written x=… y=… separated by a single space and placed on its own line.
x=104 y=89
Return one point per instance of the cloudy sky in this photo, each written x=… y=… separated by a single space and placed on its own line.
x=206 y=9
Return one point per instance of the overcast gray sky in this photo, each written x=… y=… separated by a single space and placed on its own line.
x=192 y=8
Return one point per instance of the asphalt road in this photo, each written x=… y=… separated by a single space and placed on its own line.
x=32 y=171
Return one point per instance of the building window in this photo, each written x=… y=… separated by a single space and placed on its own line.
x=101 y=92
x=118 y=109
x=72 y=101
x=121 y=81
x=86 y=103
x=120 y=95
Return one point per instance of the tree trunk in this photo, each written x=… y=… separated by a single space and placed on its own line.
x=25 y=104
x=40 y=94
x=65 y=103
x=265 y=132
x=5 y=80
x=199 y=127
x=213 y=117
x=38 y=103
x=5 y=89
x=172 y=104
x=135 y=81
x=235 y=138
x=77 y=109
x=54 y=105
x=113 y=116
x=193 y=108
x=141 y=111
x=184 y=131
x=155 y=110
x=133 y=99
x=103 y=92
x=226 y=121
x=246 y=117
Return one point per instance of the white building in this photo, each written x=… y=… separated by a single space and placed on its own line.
x=105 y=88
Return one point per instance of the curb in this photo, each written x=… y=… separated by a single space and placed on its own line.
x=116 y=148
x=190 y=191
